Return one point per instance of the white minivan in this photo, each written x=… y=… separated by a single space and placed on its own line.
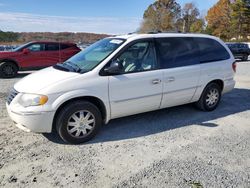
x=121 y=76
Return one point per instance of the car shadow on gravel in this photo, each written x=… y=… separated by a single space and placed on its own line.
x=21 y=75
x=167 y=119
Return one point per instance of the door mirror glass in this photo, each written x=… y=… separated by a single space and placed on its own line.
x=26 y=51
x=114 y=68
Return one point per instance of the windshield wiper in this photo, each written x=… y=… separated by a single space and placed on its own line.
x=73 y=66
x=68 y=66
x=60 y=66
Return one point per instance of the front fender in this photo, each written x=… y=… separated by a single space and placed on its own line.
x=81 y=93
x=10 y=60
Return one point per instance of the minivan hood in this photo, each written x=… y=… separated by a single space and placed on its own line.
x=37 y=81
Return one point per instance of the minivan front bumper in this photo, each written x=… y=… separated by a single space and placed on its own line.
x=38 y=122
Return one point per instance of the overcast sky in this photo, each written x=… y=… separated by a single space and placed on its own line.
x=98 y=16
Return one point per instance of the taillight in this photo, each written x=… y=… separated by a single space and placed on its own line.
x=234 y=66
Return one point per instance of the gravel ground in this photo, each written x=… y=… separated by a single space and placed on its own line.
x=176 y=147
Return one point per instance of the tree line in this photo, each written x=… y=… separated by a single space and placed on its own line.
x=8 y=36
x=227 y=19
x=61 y=37
x=23 y=37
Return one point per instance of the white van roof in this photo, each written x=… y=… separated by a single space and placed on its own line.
x=160 y=35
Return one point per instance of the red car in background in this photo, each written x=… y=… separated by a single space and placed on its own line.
x=35 y=55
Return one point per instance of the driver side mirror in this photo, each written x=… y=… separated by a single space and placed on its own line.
x=115 y=68
x=26 y=51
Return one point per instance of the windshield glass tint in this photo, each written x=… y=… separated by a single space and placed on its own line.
x=94 y=54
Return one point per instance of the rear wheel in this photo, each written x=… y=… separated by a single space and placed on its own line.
x=78 y=122
x=8 y=70
x=210 y=97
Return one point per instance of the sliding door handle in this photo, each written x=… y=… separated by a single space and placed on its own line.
x=171 y=79
x=156 y=81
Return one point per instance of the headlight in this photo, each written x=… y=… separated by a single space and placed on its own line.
x=32 y=100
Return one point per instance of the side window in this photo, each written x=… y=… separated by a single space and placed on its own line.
x=211 y=50
x=177 y=52
x=138 y=57
x=64 y=46
x=36 y=47
x=52 y=47
x=233 y=46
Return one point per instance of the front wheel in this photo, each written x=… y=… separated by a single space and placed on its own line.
x=210 y=98
x=78 y=122
x=8 y=70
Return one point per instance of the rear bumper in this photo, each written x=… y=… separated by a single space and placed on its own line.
x=228 y=85
x=38 y=122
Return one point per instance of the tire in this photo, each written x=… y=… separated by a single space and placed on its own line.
x=73 y=122
x=8 y=70
x=210 y=98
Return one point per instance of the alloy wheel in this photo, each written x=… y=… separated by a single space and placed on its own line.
x=8 y=70
x=81 y=124
x=212 y=97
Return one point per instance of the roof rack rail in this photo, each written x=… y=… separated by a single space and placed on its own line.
x=132 y=33
x=156 y=32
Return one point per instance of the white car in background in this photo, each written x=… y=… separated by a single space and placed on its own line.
x=121 y=76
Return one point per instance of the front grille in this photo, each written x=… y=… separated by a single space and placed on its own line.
x=13 y=93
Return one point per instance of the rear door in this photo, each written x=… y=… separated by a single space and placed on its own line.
x=139 y=88
x=179 y=59
x=67 y=51
x=51 y=54
x=237 y=50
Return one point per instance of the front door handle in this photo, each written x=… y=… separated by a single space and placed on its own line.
x=156 y=81
x=171 y=79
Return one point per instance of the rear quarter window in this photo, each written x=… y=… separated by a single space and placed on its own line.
x=52 y=47
x=65 y=46
x=211 y=50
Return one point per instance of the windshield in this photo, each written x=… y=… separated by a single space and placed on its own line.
x=92 y=56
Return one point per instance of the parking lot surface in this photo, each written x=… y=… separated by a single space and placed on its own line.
x=175 y=147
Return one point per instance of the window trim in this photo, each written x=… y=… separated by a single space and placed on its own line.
x=151 y=40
